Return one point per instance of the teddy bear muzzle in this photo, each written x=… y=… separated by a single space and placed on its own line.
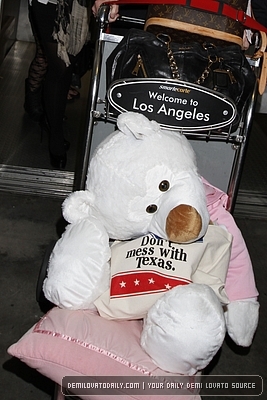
x=183 y=224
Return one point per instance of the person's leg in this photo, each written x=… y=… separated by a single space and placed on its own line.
x=56 y=84
x=37 y=69
x=56 y=88
x=34 y=82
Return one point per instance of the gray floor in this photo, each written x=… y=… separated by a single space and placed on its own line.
x=29 y=223
x=24 y=157
x=25 y=146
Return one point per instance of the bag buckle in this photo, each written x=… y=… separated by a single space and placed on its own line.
x=241 y=16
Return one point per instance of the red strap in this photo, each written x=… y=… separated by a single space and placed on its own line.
x=243 y=18
x=213 y=6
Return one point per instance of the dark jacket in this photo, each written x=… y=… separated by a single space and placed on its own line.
x=259 y=8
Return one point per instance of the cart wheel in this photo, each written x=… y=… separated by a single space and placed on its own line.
x=44 y=304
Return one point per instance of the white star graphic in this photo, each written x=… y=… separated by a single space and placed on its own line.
x=151 y=281
x=136 y=282
x=168 y=287
x=122 y=284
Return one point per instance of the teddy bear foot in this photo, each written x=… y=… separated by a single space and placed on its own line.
x=242 y=320
x=184 y=329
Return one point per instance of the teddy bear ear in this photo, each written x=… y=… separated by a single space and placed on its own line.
x=77 y=206
x=136 y=124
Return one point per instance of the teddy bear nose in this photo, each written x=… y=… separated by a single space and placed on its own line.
x=183 y=224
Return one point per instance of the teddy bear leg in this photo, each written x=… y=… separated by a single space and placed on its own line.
x=184 y=329
x=242 y=320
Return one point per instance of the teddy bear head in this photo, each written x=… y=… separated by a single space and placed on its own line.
x=143 y=179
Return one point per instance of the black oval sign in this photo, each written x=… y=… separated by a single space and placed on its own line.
x=173 y=104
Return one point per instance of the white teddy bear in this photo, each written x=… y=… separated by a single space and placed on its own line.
x=168 y=263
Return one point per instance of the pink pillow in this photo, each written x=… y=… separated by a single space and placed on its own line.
x=240 y=280
x=75 y=343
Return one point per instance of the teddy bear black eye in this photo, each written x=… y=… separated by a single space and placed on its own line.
x=164 y=186
x=152 y=208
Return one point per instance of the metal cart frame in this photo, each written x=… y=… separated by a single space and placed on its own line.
x=97 y=114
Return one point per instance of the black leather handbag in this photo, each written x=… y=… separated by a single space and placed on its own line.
x=225 y=69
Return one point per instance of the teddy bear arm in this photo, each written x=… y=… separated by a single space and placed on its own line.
x=79 y=266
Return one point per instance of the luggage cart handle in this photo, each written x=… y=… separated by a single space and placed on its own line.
x=136 y=21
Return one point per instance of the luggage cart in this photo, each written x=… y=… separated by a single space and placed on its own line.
x=220 y=152
x=213 y=147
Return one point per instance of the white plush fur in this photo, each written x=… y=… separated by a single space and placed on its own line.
x=242 y=320
x=184 y=330
x=173 y=324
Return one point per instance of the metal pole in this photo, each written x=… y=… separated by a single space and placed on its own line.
x=240 y=156
x=94 y=86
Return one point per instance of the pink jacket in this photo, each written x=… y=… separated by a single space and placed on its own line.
x=240 y=282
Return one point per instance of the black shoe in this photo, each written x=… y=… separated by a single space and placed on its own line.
x=58 y=162
x=33 y=102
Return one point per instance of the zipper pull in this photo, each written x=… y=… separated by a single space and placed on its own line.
x=231 y=76
x=222 y=78
x=139 y=65
x=228 y=72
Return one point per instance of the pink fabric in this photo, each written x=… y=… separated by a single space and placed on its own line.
x=75 y=343
x=240 y=281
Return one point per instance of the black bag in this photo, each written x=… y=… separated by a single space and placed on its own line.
x=225 y=69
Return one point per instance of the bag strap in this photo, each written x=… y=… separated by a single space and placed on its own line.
x=214 y=6
x=263 y=75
